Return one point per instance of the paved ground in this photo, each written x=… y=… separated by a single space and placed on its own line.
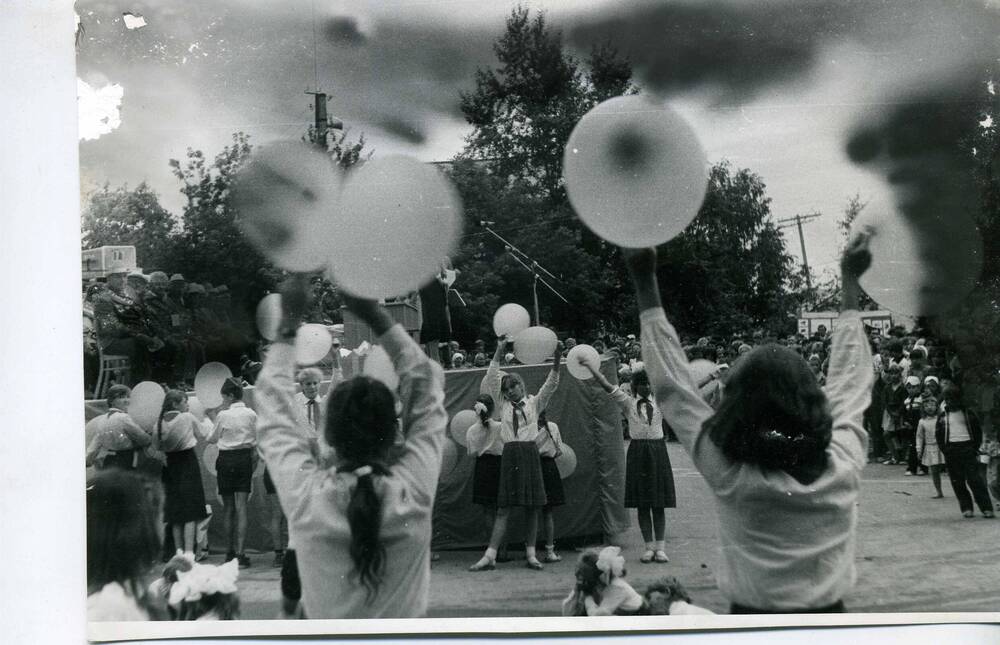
x=914 y=554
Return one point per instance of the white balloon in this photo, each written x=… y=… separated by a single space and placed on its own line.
x=196 y=408
x=635 y=172
x=566 y=462
x=460 y=424
x=578 y=358
x=208 y=383
x=534 y=345
x=379 y=366
x=145 y=404
x=285 y=197
x=312 y=344
x=399 y=219
x=269 y=316
x=920 y=271
x=510 y=319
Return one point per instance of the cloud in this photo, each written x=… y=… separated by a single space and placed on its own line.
x=98 y=108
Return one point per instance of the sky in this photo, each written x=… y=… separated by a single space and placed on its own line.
x=775 y=87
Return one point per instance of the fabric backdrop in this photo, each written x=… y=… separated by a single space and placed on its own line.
x=588 y=420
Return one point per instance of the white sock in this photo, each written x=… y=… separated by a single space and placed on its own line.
x=661 y=545
x=529 y=552
x=550 y=548
x=491 y=554
x=650 y=546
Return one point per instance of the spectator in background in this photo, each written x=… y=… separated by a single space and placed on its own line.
x=120 y=326
x=480 y=360
x=570 y=343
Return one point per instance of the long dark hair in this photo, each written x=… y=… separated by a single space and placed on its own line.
x=361 y=427
x=171 y=400
x=774 y=415
x=122 y=537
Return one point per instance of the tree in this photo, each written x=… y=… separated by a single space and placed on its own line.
x=212 y=247
x=130 y=218
x=729 y=270
x=522 y=112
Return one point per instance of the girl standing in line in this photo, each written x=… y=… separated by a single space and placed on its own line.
x=177 y=433
x=549 y=448
x=649 y=479
x=927 y=446
x=235 y=432
x=484 y=442
x=521 y=481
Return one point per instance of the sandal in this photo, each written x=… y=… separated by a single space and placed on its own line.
x=988 y=515
x=483 y=565
x=533 y=563
x=646 y=557
x=968 y=514
x=661 y=557
x=552 y=556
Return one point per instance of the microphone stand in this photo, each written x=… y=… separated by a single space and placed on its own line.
x=533 y=268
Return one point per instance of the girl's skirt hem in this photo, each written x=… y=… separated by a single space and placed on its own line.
x=649 y=480
x=185 y=495
x=521 y=482
x=932 y=456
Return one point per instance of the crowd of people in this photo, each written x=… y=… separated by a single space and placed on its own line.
x=780 y=431
x=166 y=326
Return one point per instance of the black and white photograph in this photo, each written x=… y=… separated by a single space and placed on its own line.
x=496 y=310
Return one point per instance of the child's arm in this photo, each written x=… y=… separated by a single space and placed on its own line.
x=573 y=604
x=136 y=434
x=550 y=385
x=618 y=395
x=421 y=392
x=213 y=436
x=666 y=364
x=491 y=381
x=285 y=449
x=849 y=384
x=921 y=437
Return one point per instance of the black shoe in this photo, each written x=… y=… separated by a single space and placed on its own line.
x=243 y=560
x=231 y=555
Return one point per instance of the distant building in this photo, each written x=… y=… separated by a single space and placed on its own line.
x=810 y=321
x=99 y=262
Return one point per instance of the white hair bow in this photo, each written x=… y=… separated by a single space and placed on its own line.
x=479 y=407
x=610 y=561
x=204 y=580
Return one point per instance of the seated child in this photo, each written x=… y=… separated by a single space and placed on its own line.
x=601 y=589
x=667 y=596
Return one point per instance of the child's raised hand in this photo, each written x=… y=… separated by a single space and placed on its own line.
x=857 y=256
x=296 y=294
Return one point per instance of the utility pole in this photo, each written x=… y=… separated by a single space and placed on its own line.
x=797 y=222
x=323 y=123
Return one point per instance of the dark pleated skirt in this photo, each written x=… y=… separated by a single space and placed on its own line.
x=649 y=480
x=234 y=470
x=185 y=497
x=521 y=481
x=486 y=480
x=553 y=482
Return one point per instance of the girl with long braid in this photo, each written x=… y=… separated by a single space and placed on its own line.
x=362 y=528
